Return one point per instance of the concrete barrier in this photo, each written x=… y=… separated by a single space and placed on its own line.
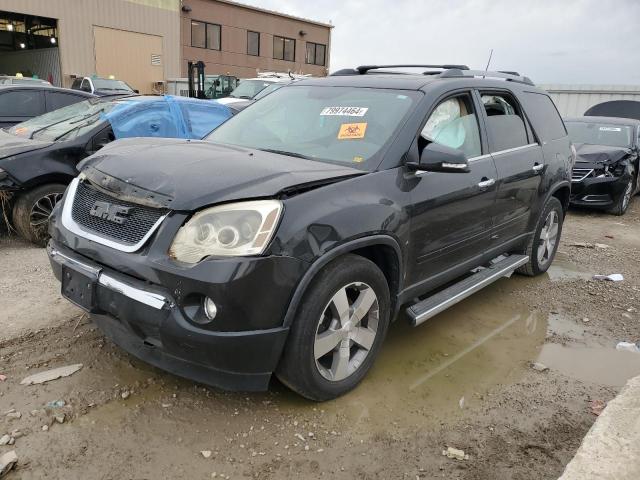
x=611 y=448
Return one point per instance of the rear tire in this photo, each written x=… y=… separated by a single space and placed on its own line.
x=544 y=242
x=327 y=354
x=32 y=209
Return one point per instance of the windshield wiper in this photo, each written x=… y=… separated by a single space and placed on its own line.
x=284 y=152
x=86 y=117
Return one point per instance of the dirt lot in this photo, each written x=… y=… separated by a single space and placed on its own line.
x=463 y=380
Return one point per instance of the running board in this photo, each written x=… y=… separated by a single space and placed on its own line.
x=429 y=307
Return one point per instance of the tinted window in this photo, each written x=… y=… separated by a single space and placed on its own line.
x=57 y=100
x=253 y=43
x=284 y=49
x=505 y=122
x=198 y=34
x=213 y=36
x=454 y=124
x=26 y=103
x=76 y=84
x=315 y=54
x=544 y=116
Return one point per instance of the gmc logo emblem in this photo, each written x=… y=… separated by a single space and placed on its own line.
x=111 y=213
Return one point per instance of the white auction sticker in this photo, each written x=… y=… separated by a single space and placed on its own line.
x=344 y=111
x=610 y=129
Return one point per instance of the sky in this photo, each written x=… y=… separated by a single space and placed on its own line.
x=561 y=41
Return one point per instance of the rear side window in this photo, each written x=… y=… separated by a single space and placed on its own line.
x=56 y=100
x=544 y=116
x=76 y=84
x=505 y=121
x=25 y=103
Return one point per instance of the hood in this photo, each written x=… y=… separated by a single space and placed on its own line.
x=189 y=174
x=600 y=154
x=11 y=145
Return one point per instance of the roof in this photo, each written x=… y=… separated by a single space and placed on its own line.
x=410 y=81
x=611 y=120
x=44 y=86
x=273 y=12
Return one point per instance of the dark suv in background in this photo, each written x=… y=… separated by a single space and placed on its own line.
x=291 y=236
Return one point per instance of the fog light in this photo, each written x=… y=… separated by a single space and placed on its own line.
x=210 y=309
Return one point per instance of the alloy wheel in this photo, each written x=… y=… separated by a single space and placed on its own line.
x=548 y=237
x=42 y=209
x=346 y=331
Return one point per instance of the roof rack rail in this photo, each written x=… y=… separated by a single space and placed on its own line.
x=507 y=76
x=365 y=68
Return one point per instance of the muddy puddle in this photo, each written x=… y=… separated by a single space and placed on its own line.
x=564 y=269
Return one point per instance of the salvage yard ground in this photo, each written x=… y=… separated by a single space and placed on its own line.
x=462 y=380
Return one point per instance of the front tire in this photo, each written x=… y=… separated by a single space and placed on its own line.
x=543 y=245
x=32 y=209
x=337 y=333
x=623 y=201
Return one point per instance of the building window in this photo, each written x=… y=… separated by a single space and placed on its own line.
x=284 y=49
x=253 y=43
x=205 y=35
x=316 y=53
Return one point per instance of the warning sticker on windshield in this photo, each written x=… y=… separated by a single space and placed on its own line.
x=344 y=111
x=610 y=129
x=352 y=130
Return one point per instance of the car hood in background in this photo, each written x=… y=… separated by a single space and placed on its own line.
x=189 y=174
x=11 y=145
x=600 y=154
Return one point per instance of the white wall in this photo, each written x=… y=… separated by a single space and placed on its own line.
x=574 y=100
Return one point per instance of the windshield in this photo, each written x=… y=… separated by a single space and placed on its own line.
x=249 y=88
x=54 y=125
x=610 y=135
x=335 y=124
x=271 y=88
x=116 y=85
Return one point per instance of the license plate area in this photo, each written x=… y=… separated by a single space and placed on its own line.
x=79 y=287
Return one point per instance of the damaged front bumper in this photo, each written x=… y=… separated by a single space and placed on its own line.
x=592 y=188
x=153 y=323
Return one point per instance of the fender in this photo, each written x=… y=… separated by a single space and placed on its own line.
x=555 y=187
x=332 y=254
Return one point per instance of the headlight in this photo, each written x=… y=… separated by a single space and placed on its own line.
x=235 y=229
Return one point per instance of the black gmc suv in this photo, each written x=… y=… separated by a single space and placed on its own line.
x=288 y=239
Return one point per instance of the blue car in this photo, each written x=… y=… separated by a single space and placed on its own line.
x=38 y=157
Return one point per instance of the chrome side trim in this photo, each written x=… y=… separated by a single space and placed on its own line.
x=488 y=155
x=73 y=227
x=153 y=300
x=515 y=149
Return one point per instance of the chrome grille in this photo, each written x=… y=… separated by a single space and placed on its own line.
x=579 y=174
x=137 y=224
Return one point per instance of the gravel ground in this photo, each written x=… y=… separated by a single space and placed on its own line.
x=462 y=380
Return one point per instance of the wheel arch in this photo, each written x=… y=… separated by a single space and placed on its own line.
x=383 y=250
x=562 y=191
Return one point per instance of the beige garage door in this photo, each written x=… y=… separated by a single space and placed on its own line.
x=136 y=58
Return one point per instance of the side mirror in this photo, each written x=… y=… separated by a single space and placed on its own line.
x=440 y=158
x=136 y=91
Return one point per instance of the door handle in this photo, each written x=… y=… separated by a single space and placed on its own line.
x=487 y=183
x=538 y=167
